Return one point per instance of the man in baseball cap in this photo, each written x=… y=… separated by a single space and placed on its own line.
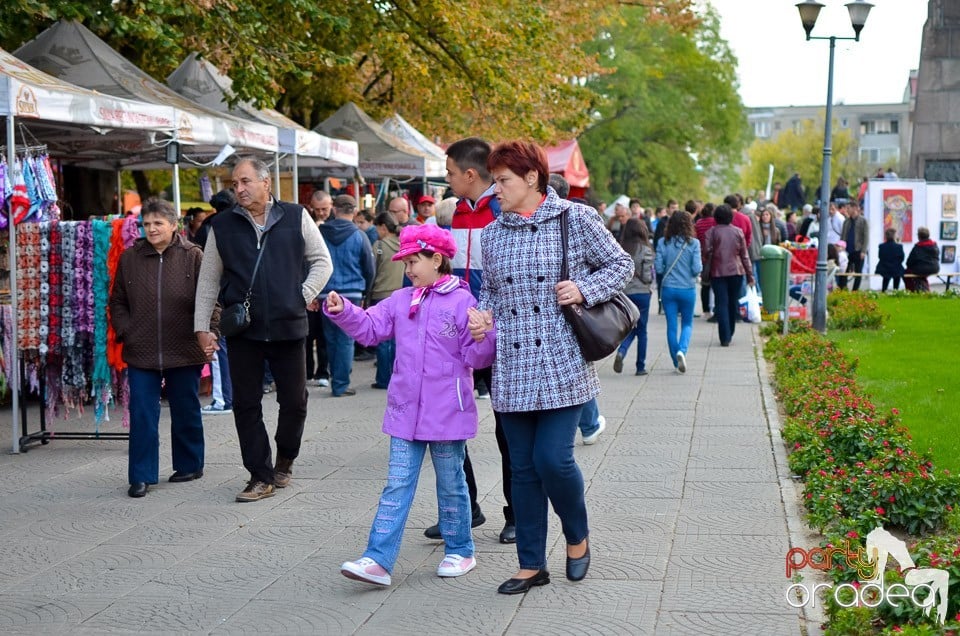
x=427 y=210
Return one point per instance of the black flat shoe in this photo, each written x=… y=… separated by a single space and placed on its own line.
x=519 y=586
x=433 y=532
x=138 y=489
x=577 y=568
x=181 y=476
x=509 y=533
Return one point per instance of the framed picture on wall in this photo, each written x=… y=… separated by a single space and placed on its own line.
x=948 y=230
x=948 y=254
x=949 y=206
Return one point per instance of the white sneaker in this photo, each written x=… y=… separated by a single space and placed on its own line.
x=215 y=409
x=322 y=382
x=593 y=437
x=681 y=362
x=365 y=569
x=455 y=565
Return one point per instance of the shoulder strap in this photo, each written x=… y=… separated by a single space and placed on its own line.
x=564 y=237
x=679 y=254
x=256 y=268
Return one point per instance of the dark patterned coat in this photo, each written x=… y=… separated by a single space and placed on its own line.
x=538 y=364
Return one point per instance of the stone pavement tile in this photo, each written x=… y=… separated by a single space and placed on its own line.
x=189 y=525
x=627 y=556
x=732 y=457
x=655 y=487
x=748 y=430
x=417 y=615
x=731 y=474
x=308 y=615
x=730 y=519
x=644 y=465
x=697 y=623
x=717 y=491
x=45 y=614
x=640 y=444
x=724 y=594
x=25 y=556
x=637 y=618
x=729 y=557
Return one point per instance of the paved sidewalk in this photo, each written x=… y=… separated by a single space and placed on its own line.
x=689 y=530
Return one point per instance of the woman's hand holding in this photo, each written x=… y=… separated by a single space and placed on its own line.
x=334 y=303
x=207 y=342
x=568 y=293
x=479 y=323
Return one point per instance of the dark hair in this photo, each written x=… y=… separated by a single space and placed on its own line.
x=723 y=215
x=922 y=233
x=471 y=152
x=637 y=201
x=365 y=215
x=160 y=207
x=344 y=204
x=706 y=211
x=832 y=252
x=388 y=221
x=223 y=200
x=445 y=266
x=786 y=217
x=671 y=202
x=731 y=200
x=558 y=183
x=633 y=235
x=690 y=206
x=520 y=157
x=890 y=234
x=680 y=225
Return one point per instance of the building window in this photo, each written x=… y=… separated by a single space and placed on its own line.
x=870 y=155
x=895 y=126
x=880 y=127
x=844 y=123
x=776 y=125
x=868 y=127
x=761 y=129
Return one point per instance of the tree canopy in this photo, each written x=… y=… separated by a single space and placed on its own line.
x=670 y=114
x=801 y=151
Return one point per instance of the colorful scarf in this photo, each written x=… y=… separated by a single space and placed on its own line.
x=443 y=285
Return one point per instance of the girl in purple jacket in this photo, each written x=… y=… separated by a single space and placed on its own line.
x=429 y=399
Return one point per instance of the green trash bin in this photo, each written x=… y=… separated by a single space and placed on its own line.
x=774 y=267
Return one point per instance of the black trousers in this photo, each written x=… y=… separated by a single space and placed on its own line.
x=705 y=295
x=286 y=359
x=506 y=474
x=855 y=266
x=317 y=367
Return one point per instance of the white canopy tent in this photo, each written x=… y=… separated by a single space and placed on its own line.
x=201 y=82
x=401 y=128
x=56 y=110
x=71 y=52
x=382 y=154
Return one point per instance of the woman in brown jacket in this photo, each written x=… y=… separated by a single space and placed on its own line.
x=727 y=260
x=151 y=307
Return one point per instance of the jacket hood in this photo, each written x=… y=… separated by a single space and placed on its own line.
x=336 y=231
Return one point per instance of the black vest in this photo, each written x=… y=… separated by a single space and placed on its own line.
x=277 y=310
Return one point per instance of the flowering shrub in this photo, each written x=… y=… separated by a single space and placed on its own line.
x=860 y=471
x=853 y=310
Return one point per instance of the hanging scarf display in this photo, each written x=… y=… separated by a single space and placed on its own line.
x=19 y=200
x=73 y=379
x=101 y=378
x=56 y=289
x=28 y=288
x=43 y=328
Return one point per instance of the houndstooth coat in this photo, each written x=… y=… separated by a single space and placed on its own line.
x=538 y=364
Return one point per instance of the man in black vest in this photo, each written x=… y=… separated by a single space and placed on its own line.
x=288 y=243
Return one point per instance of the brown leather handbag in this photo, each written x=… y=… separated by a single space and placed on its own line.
x=601 y=328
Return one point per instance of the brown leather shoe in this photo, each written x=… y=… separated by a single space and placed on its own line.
x=282 y=472
x=255 y=491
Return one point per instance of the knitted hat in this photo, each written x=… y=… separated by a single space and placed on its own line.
x=417 y=238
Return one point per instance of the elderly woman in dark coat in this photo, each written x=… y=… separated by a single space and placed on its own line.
x=151 y=307
x=540 y=379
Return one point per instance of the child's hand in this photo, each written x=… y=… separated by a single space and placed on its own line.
x=479 y=323
x=334 y=303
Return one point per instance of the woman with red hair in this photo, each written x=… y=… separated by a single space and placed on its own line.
x=540 y=379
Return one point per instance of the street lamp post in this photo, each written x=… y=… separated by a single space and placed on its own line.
x=809 y=11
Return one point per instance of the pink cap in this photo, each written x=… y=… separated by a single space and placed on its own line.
x=426 y=199
x=842 y=245
x=417 y=238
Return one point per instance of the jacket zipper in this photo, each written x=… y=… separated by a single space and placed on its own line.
x=266 y=304
x=160 y=313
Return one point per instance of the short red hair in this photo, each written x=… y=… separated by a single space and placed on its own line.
x=520 y=157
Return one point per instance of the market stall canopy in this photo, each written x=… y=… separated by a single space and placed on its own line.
x=400 y=127
x=381 y=154
x=71 y=52
x=198 y=80
x=566 y=160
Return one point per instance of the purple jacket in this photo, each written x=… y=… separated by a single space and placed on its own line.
x=430 y=397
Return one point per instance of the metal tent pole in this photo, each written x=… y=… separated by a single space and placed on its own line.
x=296 y=178
x=176 y=188
x=13 y=370
x=276 y=175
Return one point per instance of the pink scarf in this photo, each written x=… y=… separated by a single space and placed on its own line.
x=443 y=285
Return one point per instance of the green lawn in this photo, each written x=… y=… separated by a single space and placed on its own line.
x=913 y=364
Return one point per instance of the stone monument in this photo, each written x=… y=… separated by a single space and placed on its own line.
x=935 y=151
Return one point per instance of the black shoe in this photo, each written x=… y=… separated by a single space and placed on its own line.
x=364 y=356
x=618 y=363
x=346 y=393
x=519 y=586
x=641 y=372
x=138 y=489
x=509 y=533
x=180 y=476
x=713 y=318
x=433 y=532
x=725 y=344
x=377 y=386
x=577 y=568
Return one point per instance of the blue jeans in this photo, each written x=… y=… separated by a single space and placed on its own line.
x=589 y=422
x=679 y=300
x=453 y=502
x=340 y=354
x=386 y=352
x=642 y=301
x=186 y=424
x=544 y=470
x=726 y=290
x=756 y=280
x=226 y=386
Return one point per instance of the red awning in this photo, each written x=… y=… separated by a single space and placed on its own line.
x=566 y=159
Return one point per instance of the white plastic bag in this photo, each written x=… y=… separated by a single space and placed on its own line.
x=752 y=302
